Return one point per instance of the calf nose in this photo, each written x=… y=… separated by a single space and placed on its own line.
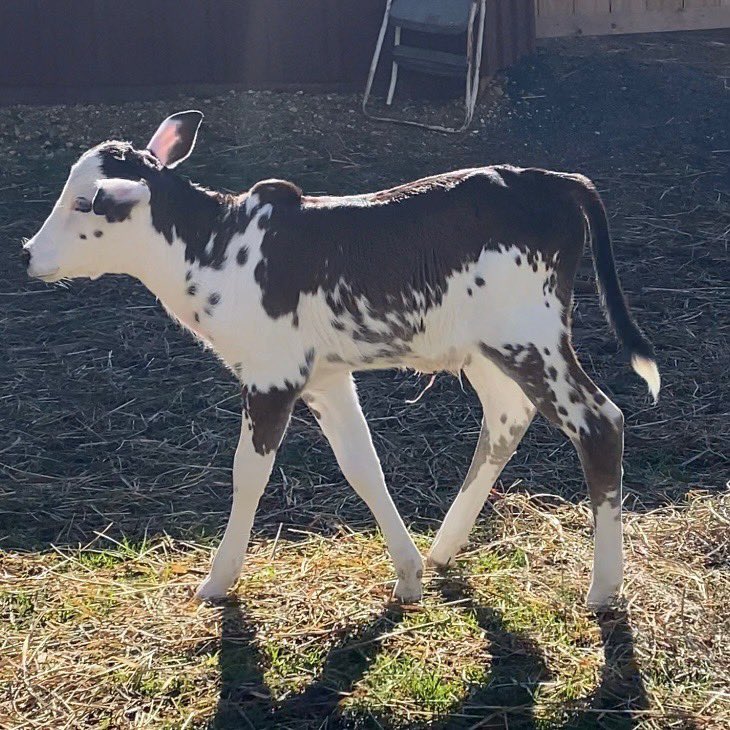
x=25 y=256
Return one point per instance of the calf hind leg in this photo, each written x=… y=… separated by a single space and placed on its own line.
x=555 y=382
x=506 y=414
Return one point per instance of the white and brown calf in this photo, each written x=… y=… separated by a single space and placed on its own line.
x=467 y=271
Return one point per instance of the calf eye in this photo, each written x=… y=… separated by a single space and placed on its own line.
x=82 y=205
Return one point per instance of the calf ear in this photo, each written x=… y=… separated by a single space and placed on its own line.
x=115 y=198
x=175 y=137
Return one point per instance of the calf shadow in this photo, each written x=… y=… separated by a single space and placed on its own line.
x=620 y=699
x=505 y=699
x=244 y=699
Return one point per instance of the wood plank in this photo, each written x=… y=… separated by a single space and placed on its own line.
x=66 y=27
x=702 y=3
x=628 y=6
x=490 y=58
x=527 y=28
x=664 y=5
x=591 y=7
x=555 y=7
x=702 y=18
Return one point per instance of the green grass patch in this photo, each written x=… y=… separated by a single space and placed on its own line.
x=17 y=607
x=313 y=641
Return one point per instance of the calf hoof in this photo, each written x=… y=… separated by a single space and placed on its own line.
x=210 y=592
x=408 y=587
x=440 y=563
x=600 y=598
x=406 y=591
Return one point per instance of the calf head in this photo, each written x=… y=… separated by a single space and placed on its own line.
x=103 y=218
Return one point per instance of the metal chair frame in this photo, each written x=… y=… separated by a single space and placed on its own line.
x=474 y=62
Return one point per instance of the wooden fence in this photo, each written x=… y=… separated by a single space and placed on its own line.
x=59 y=50
x=605 y=17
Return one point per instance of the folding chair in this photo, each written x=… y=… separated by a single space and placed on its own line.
x=434 y=17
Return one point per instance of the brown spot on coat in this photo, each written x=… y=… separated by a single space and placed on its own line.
x=269 y=413
x=114 y=211
x=601 y=450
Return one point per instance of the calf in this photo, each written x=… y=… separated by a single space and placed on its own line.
x=470 y=271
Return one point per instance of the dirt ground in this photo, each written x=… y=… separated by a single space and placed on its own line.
x=111 y=414
x=113 y=419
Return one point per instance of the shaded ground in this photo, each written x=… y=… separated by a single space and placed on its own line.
x=101 y=389
x=112 y=417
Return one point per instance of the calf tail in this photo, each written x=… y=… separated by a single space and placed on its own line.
x=632 y=339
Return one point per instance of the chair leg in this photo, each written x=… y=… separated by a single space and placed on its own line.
x=474 y=64
x=376 y=58
x=393 y=80
x=394 y=70
x=478 y=62
x=472 y=81
x=470 y=64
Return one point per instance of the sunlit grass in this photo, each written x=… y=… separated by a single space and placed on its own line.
x=107 y=636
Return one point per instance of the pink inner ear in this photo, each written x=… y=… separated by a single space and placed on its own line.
x=164 y=141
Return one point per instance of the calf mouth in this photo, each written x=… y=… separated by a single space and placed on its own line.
x=48 y=276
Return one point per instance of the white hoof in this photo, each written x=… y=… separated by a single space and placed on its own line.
x=441 y=560
x=444 y=549
x=603 y=596
x=210 y=591
x=408 y=591
x=408 y=587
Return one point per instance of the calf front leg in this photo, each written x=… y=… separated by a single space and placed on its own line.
x=335 y=405
x=264 y=422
